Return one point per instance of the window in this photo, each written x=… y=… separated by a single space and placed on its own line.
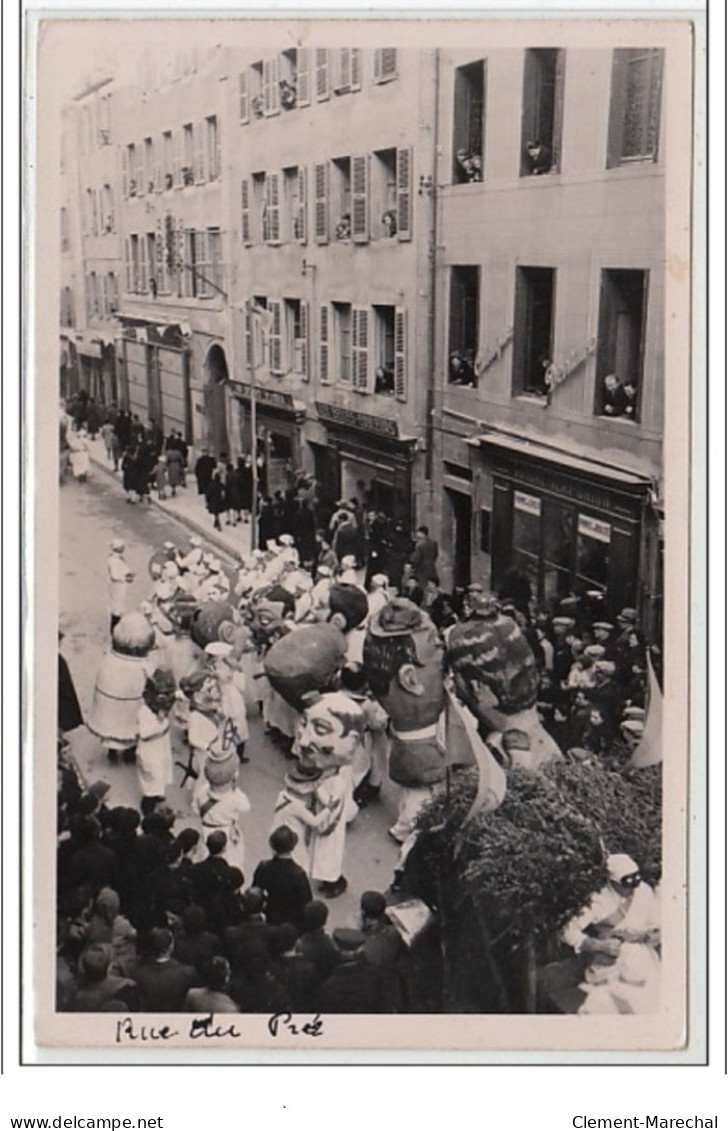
x=245 y=229
x=345 y=69
x=593 y=540
x=527 y=535
x=385 y=64
x=322 y=74
x=272 y=211
x=321 y=202
x=634 y=117
x=151 y=258
x=112 y=294
x=187 y=170
x=324 y=344
x=384 y=350
x=149 y=181
x=543 y=99
x=383 y=194
x=259 y=201
x=105 y=120
x=271 y=90
x=131 y=171
x=342 y=340
x=256 y=90
x=91 y=222
x=469 y=123
x=620 y=354
x=203 y=263
x=108 y=221
x=243 y=98
x=215 y=267
x=294 y=191
x=65 y=236
x=67 y=318
x=92 y=297
x=167 y=160
x=533 y=328
x=485 y=523
x=275 y=337
x=296 y=335
x=288 y=79
x=341 y=197
x=212 y=154
x=464 y=325
x=303 y=76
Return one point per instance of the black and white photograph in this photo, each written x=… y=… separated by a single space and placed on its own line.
x=362 y=382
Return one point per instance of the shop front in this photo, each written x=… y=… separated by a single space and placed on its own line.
x=279 y=417
x=96 y=360
x=365 y=458
x=155 y=381
x=571 y=525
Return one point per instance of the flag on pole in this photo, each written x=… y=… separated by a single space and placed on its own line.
x=463 y=744
x=649 y=750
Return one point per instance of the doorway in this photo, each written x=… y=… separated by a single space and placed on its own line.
x=461 y=510
x=215 y=400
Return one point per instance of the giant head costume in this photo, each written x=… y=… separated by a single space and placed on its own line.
x=268 y=611
x=329 y=731
x=495 y=675
x=304 y=661
x=219 y=621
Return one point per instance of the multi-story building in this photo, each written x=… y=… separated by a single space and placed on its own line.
x=550 y=270
x=175 y=305
x=90 y=245
x=333 y=242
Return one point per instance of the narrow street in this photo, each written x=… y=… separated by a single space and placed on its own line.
x=91 y=515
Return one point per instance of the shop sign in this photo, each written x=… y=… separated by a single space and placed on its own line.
x=529 y=504
x=577 y=490
x=593 y=528
x=274 y=397
x=350 y=418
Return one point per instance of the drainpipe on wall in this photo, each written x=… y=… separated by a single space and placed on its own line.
x=428 y=187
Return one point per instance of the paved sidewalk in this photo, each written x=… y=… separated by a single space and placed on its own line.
x=187 y=507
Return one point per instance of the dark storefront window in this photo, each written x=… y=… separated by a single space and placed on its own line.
x=527 y=535
x=558 y=549
x=592 y=553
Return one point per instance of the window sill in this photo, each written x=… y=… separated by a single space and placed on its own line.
x=385 y=79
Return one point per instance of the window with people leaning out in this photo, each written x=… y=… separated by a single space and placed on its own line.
x=533 y=330
x=469 y=123
x=620 y=353
x=464 y=325
x=543 y=98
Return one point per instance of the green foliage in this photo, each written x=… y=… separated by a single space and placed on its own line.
x=536 y=861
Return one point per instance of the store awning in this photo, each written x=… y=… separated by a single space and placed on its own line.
x=545 y=454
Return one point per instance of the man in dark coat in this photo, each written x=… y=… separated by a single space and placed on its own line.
x=163 y=981
x=354 y=985
x=315 y=944
x=204 y=468
x=424 y=557
x=284 y=882
x=69 y=708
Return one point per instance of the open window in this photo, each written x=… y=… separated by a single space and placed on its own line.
x=385 y=64
x=468 y=136
x=542 y=114
x=464 y=325
x=620 y=356
x=295 y=329
x=383 y=193
x=341 y=198
x=255 y=90
x=533 y=329
x=384 y=360
x=258 y=204
x=288 y=79
x=294 y=195
x=212 y=148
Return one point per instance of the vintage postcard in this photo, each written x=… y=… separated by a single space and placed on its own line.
x=360 y=365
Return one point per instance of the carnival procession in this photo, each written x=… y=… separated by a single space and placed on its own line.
x=362 y=533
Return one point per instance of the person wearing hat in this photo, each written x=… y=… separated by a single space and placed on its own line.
x=119 y=687
x=231 y=680
x=626 y=909
x=221 y=806
x=285 y=883
x=348 y=611
x=163 y=981
x=315 y=944
x=354 y=985
x=120 y=578
x=384 y=947
x=154 y=762
x=213 y=997
x=294 y=808
x=378 y=593
x=95 y=988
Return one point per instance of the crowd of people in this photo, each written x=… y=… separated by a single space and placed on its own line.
x=338 y=633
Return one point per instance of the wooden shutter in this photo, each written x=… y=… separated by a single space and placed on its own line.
x=304 y=340
x=248 y=339
x=321 y=202
x=385 y=63
x=198 y=149
x=245 y=211
x=302 y=211
x=360 y=349
x=243 y=99
x=143 y=280
x=177 y=157
x=157 y=164
x=125 y=171
x=404 y=194
x=159 y=258
x=324 y=343
x=558 y=109
x=274 y=338
x=129 y=271
x=273 y=211
x=271 y=90
x=400 y=354
x=360 y=199
x=303 y=76
x=617 y=107
x=356 y=62
x=343 y=69
x=322 y=73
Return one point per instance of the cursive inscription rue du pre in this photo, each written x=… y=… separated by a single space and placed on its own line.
x=280 y=1023
x=130 y=1031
